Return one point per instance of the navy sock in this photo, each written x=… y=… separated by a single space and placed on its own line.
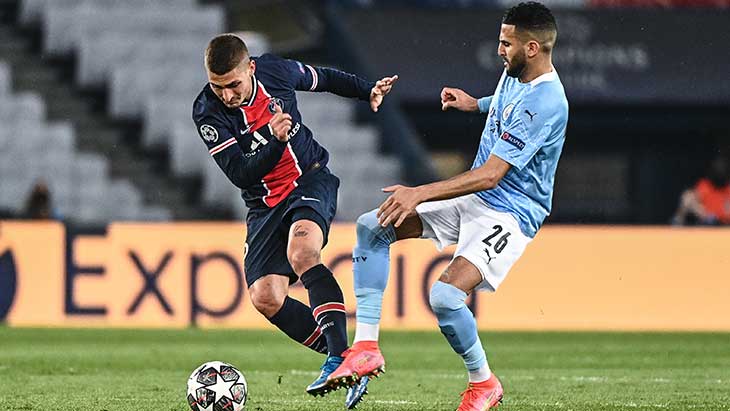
x=296 y=320
x=328 y=306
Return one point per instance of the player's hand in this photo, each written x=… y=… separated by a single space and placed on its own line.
x=382 y=87
x=280 y=124
x=396 y=208
x=458 y=99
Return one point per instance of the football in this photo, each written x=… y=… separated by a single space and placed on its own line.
x=217 y=386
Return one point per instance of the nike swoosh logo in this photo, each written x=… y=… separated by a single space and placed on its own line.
x=310 y=199
x=247 y=129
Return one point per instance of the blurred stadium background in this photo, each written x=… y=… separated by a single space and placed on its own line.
x=145 y=231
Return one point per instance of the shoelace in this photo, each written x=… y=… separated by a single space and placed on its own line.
x=469 y=394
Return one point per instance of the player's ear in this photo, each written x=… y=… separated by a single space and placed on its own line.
x=533 y=47
x=252 y=64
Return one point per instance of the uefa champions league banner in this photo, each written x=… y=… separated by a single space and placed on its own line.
x=178 y=275
x=623 y=56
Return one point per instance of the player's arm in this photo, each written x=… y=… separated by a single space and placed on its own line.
x=312 y=78
x=243 y=171
x=404 y=199
x=457 y=98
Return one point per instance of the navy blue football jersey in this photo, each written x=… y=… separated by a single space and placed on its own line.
x=241 y=142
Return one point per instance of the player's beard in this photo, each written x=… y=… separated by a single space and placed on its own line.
x=516 y=66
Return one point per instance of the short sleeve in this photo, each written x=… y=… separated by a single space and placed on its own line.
x=526 y=127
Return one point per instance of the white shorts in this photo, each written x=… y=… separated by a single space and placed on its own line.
x=489 y=239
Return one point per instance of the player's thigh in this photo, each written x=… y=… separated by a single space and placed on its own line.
x=440 y=221
x=411 y=227
x=266 y=243
x=491 y=241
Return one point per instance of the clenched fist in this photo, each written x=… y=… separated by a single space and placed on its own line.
x=280 y=124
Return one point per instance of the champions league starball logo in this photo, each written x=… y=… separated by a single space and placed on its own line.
x=209 y=133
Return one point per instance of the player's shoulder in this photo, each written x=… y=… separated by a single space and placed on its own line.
x=547 y=95
x=276 y=66
x=207 y=106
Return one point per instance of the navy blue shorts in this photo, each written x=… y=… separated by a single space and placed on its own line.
x=268 y=228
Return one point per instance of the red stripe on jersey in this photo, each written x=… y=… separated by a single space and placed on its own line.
x=282 y=180
x=257 y=114
x=328 y=307
x=222 y=146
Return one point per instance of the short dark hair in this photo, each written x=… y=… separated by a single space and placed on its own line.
x=224 y=53
x=535 y=18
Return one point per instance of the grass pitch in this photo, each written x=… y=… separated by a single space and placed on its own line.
x=59 y=369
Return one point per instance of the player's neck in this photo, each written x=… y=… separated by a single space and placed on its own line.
x=535 y=70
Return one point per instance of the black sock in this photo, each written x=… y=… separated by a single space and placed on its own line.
x=328 y=306
x=296 y=320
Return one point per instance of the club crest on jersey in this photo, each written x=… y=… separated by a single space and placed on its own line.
x=209 y=133
x=513 y=140
x=275 y=101
x=507 y=111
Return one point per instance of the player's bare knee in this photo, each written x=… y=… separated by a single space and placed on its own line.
x=267 y=302
x=303 y=258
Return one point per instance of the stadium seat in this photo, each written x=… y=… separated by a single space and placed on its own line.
x=23 y=108
x=98 y=55
x=6 y=82
x=161 y=113
x=33 y=11
x=65 y=27
x=188 y=154
x=129 y=90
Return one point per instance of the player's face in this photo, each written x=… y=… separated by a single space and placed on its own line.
x=512 y=50
x=234 y=87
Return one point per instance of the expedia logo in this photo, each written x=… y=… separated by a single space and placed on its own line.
x=8 y=282
x=275 y=101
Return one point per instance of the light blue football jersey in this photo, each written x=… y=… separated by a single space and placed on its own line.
x=526 y=128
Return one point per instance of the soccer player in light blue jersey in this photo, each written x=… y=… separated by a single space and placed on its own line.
x=491 y=211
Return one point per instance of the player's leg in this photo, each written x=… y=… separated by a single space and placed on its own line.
x=265 y=254
x=489 y=244
x=371 y=265
x=269 y=297
x=457 y=324
x=325 y=296
x=306 y=239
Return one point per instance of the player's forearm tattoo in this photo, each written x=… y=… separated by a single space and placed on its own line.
x=300 y=231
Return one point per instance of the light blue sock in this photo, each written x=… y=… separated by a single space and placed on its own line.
x=371 y=264
x=458 y=324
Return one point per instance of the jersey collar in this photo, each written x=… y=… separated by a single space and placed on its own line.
x=255 y=85
x=549 y=76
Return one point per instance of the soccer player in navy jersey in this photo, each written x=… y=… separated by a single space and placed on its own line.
x=491 y=212
x=248 y=118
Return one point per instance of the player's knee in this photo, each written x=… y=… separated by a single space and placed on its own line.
x=445 y=297
x=303 y=258
x=371 y=234
x=267 y=302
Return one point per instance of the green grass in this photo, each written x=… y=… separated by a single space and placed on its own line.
x=59 y=369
